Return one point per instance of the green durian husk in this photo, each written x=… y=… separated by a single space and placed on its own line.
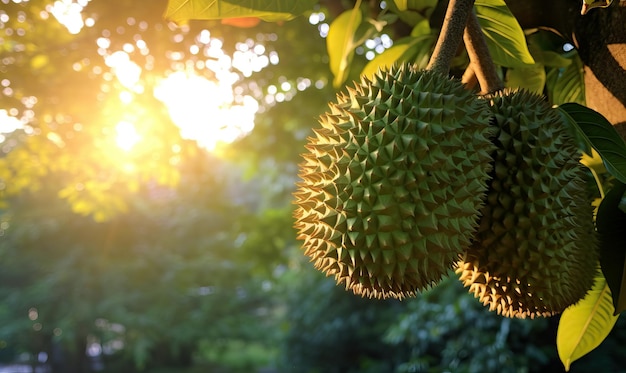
x=535 y=252
x=393 y=180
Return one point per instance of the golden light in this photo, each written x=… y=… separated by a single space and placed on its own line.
x=126 y=71
x=68 y=13
x=8 y=124
x=206 y=111
x=126 y=135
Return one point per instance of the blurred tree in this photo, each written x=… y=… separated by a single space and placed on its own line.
x=330 y=330
x=148 y=285
x=447 y=330
x=165 y=266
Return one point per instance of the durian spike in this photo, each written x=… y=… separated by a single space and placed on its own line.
x=535 y=251
x=392 y=182
x=450 y=36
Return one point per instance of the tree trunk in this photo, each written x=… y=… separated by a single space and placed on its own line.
x=71 y=360
x=601 y=43
x=600 y=38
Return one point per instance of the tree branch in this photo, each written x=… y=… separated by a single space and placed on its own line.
x=480 y=58
x=450 y=35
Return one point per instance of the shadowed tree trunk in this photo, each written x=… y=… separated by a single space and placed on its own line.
x=601 y=43
x=600 y=38
x=70 y=358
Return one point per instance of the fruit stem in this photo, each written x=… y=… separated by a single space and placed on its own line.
x=480 y=58
x=469 y=78
x=450 y=35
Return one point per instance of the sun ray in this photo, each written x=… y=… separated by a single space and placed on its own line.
x=205 y=110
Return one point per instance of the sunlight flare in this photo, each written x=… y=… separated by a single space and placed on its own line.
x=127 y=136
x=69 y=14
x=8 y=124
x=206 y=111
x=126 y=71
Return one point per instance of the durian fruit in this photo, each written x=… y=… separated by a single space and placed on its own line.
x=393 y=180
x=535 y=252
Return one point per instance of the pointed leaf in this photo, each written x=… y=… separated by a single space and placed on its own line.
x=181 y=11
x=340 y=43
x=611 y=222
x=412 y=12
x=593 y=161
x=505 y=37
x=405 y=50
x=601 y=135
x=425 y=42
x=397 y=53
x=567 y=84
x=586 y=324
x=422 y=28
x=369 y=27
x=401 y=4
x=553 y=59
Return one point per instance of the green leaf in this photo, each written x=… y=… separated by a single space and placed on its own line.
x=544 y=49
x=593 y=162
x=397 y=53
x=530 y=77
x=422 y=28
x=553 y=59
x=611 y=222
x=181 y=11
x=505 y=37
x=405 y=50
x=369 y=27
x=412 y=12
x=601 y=135
x=341 y=44
x=586 y=324
x=424 y=44
x=567 y=84
x=401 y=4
x=421 y=4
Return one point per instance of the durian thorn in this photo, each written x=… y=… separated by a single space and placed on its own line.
x=450 y=36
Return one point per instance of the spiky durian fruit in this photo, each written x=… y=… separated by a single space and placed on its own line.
x=393 y=180
x=535 y=252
